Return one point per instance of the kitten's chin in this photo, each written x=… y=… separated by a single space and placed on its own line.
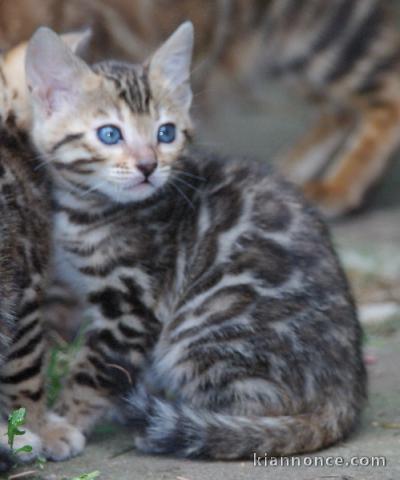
x=133 y=194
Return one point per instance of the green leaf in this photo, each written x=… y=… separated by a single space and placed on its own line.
x=15 y=420
x=40 y=462
x=87 y=476
x=61 y=358
x=25 y=449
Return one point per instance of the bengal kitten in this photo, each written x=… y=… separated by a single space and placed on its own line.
x=25 y=231
x=209 y=277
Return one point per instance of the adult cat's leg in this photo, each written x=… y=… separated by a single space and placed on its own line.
x=23 y=385
x=313 y=153
x=361 y=163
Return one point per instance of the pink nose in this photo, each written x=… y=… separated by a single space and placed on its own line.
x=147 y=166
x=146 y=160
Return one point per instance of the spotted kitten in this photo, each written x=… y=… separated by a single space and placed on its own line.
x=25 y=230
x=210 y=282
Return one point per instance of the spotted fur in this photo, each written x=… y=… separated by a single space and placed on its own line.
x=212 y=285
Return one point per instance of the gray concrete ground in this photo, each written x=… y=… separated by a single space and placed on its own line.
x=369 y=244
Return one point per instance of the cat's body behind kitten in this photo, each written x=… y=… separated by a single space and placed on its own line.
x=209 y=277
x=25 y=245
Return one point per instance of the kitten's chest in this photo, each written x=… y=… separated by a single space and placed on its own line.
x=93 y=256
x=82 y=245
x=68 y=239
x=78 y=236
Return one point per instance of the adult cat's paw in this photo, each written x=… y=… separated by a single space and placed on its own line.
x=60 y=439
x=28 y=438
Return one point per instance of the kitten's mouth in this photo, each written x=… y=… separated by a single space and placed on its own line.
x=138 y=184
x=125 y=189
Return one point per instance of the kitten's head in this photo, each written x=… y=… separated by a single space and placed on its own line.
x=115 y=129
x=14 y=101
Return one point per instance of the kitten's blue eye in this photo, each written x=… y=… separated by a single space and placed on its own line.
x=109 y=134
x=166 y=133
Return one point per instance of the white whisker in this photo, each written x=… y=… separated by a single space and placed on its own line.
x=44 y=161
x=42 y=164
x=92 y=189
x=185 y=183
x=191 y=175
x=190 y=203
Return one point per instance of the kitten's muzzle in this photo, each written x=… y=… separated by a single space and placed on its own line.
x=147 y=166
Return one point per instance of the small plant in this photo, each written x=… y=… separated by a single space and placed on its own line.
x=61 y=357
x=16 y=420
x=87 y=476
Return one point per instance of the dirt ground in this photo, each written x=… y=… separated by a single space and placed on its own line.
x=369 y=245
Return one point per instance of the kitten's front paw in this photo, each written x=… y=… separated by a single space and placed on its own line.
x=60 y=439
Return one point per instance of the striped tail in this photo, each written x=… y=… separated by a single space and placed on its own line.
x=165 y=427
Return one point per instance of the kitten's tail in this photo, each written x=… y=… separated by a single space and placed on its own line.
x=165 y=427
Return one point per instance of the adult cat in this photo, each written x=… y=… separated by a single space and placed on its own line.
x=25 y=241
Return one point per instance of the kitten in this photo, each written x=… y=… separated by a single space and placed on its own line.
x=212 y=285
x=25 y=231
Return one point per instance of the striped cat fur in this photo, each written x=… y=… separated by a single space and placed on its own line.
x=209 y=280
x=25 y=241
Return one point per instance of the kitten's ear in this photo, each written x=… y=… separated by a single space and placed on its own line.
x=169 y=67
x=53 y=72
x=77 y=41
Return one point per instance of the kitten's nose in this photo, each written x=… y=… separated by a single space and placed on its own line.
x=147 y=166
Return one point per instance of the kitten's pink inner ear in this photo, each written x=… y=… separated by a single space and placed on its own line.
x=53 y=71
x=50 y=99
x=169 y=68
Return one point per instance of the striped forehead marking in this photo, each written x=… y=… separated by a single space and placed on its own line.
x=131 y=84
